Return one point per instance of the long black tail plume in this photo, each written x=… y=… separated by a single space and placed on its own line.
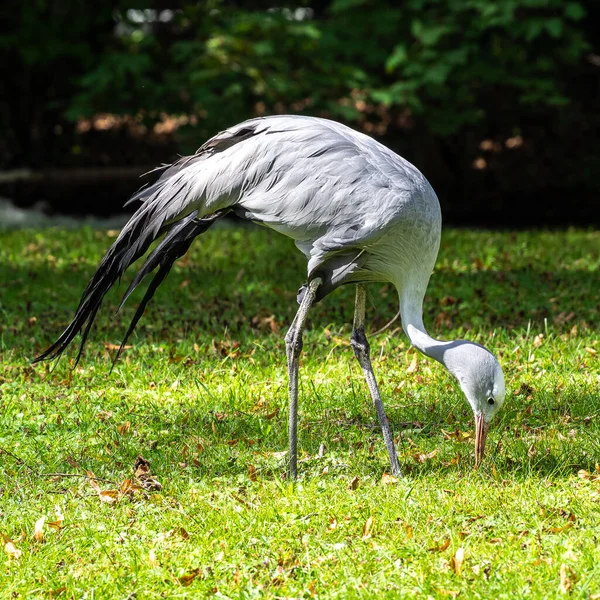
x=134 y=240
x=175 y=244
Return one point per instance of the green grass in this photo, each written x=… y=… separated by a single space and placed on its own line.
x=202 y=396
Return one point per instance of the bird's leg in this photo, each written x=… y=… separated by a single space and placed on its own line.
x=361 y=348
x=293 y=347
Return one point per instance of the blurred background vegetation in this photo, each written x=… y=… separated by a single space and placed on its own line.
x=496 y=101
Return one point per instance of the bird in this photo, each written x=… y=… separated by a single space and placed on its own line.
x=358 y=212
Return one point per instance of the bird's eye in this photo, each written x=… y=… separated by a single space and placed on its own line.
x=491 y=401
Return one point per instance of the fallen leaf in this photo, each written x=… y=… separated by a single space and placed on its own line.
x=387 y=479
x=109 y=346
x=125 y=487
x=559 y=529
x=60 y=518
x=567 y=579
x=368 y=528
x=109 y=496
x=187 y=579
x=414 y=365
x=252 y=472
x=93 y=481
x=456 y=562
x=9 y=547
x=152 y=560
x=103 y=415
x=421 y=458
x=143 y=475
x=38 y=532
x=72 y=461
x=440 y=547
x=457 y=435
x=123 y=429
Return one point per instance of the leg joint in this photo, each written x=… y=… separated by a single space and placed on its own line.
x=293 y=341
x=359 y=342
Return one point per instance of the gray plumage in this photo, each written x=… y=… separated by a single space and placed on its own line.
x=355 y=209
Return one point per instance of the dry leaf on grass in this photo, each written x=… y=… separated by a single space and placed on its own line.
x=459 y=436
x=92 y=480
x=587 y=476
x=421 y=458
x=567 y=579
x=109 y=346
x=414 y=364
x=252 y=472
x=152 y=560
x=451 y=593
x=109 y=496
x=123 y=429
x=456 y=562
x=144 y=477
x=440 y=547
x=38 y=532
x=387 y=479
x=9 y=547
x=189 y=577
x=559 y=529
x=368 y=528
x=60 y=519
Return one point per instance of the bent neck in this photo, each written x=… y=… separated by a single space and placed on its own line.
x=411 y=313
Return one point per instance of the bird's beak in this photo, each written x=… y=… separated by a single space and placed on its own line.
x=481 y=431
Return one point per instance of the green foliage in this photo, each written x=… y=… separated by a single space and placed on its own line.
x=438 y=59
x=202 y=395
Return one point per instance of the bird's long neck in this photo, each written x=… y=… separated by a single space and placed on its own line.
x=411 y=312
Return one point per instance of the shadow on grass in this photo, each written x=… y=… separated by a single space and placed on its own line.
x=200 y=301
x=208 y=300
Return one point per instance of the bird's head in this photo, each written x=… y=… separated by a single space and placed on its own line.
x=482 y=382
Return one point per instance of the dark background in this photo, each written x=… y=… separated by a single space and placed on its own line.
x=497 y=102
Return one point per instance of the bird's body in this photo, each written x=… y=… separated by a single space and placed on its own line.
x=357 y=211
x=334 y=191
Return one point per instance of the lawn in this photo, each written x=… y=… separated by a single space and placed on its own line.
x=201 y=396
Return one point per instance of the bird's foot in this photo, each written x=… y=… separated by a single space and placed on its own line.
x=395 y=469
